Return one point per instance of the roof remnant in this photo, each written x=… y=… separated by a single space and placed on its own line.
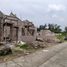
x=1 y=14
x=13 y=15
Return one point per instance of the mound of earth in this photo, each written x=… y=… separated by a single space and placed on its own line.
x=48 y=36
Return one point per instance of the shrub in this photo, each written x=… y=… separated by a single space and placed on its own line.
x=5 y=51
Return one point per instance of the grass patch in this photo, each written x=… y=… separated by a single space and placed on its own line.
x=61 y=36
x=25 y=46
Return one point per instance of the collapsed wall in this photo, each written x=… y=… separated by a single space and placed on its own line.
x=48 y=36
x=13 y=29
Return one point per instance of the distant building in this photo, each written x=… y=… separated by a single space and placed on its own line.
x=14 y=29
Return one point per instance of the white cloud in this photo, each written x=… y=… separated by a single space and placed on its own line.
x=61 y=19
x=55 y=7
x=54 y=16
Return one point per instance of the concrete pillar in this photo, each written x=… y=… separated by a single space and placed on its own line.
x=26 y=32
x=35 y=33
x=19 y=34
x=11 y=32
x=1 y=29
x=16 y=34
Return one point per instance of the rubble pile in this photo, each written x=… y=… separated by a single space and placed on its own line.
x=38 y=44
x=5 y=49
x=45 y=38
x=48 y=36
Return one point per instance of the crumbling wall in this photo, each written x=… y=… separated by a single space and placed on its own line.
x=47 y=36
x=14 y=27
x=28 y=39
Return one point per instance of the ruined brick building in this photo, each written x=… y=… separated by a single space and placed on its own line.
x=14 y=29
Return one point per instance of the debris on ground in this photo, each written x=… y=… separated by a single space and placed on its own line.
x=48 y=36
x=21 y=43
x=44 y=39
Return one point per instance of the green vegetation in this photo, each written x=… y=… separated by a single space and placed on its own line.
x=60 y=37
x=5 y=51
x=42 y=27
x=25 y=46
x=52 y=27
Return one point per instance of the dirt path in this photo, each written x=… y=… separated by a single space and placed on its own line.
x=36 y=59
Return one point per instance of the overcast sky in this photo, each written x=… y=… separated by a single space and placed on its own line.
x=37 y=11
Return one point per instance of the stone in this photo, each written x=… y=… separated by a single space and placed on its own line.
x=4 y=52
x=20 y=43
x=39 y=39
x=38 y=44
x=48 y=36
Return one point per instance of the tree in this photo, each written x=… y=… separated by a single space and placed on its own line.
x=66 y=29
x=54 y=28
x=51 y=27
x=42 y=27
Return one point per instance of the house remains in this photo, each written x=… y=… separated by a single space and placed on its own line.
x=14 y=29
x=48 y=36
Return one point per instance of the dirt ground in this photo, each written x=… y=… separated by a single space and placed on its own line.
x=18 y=53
